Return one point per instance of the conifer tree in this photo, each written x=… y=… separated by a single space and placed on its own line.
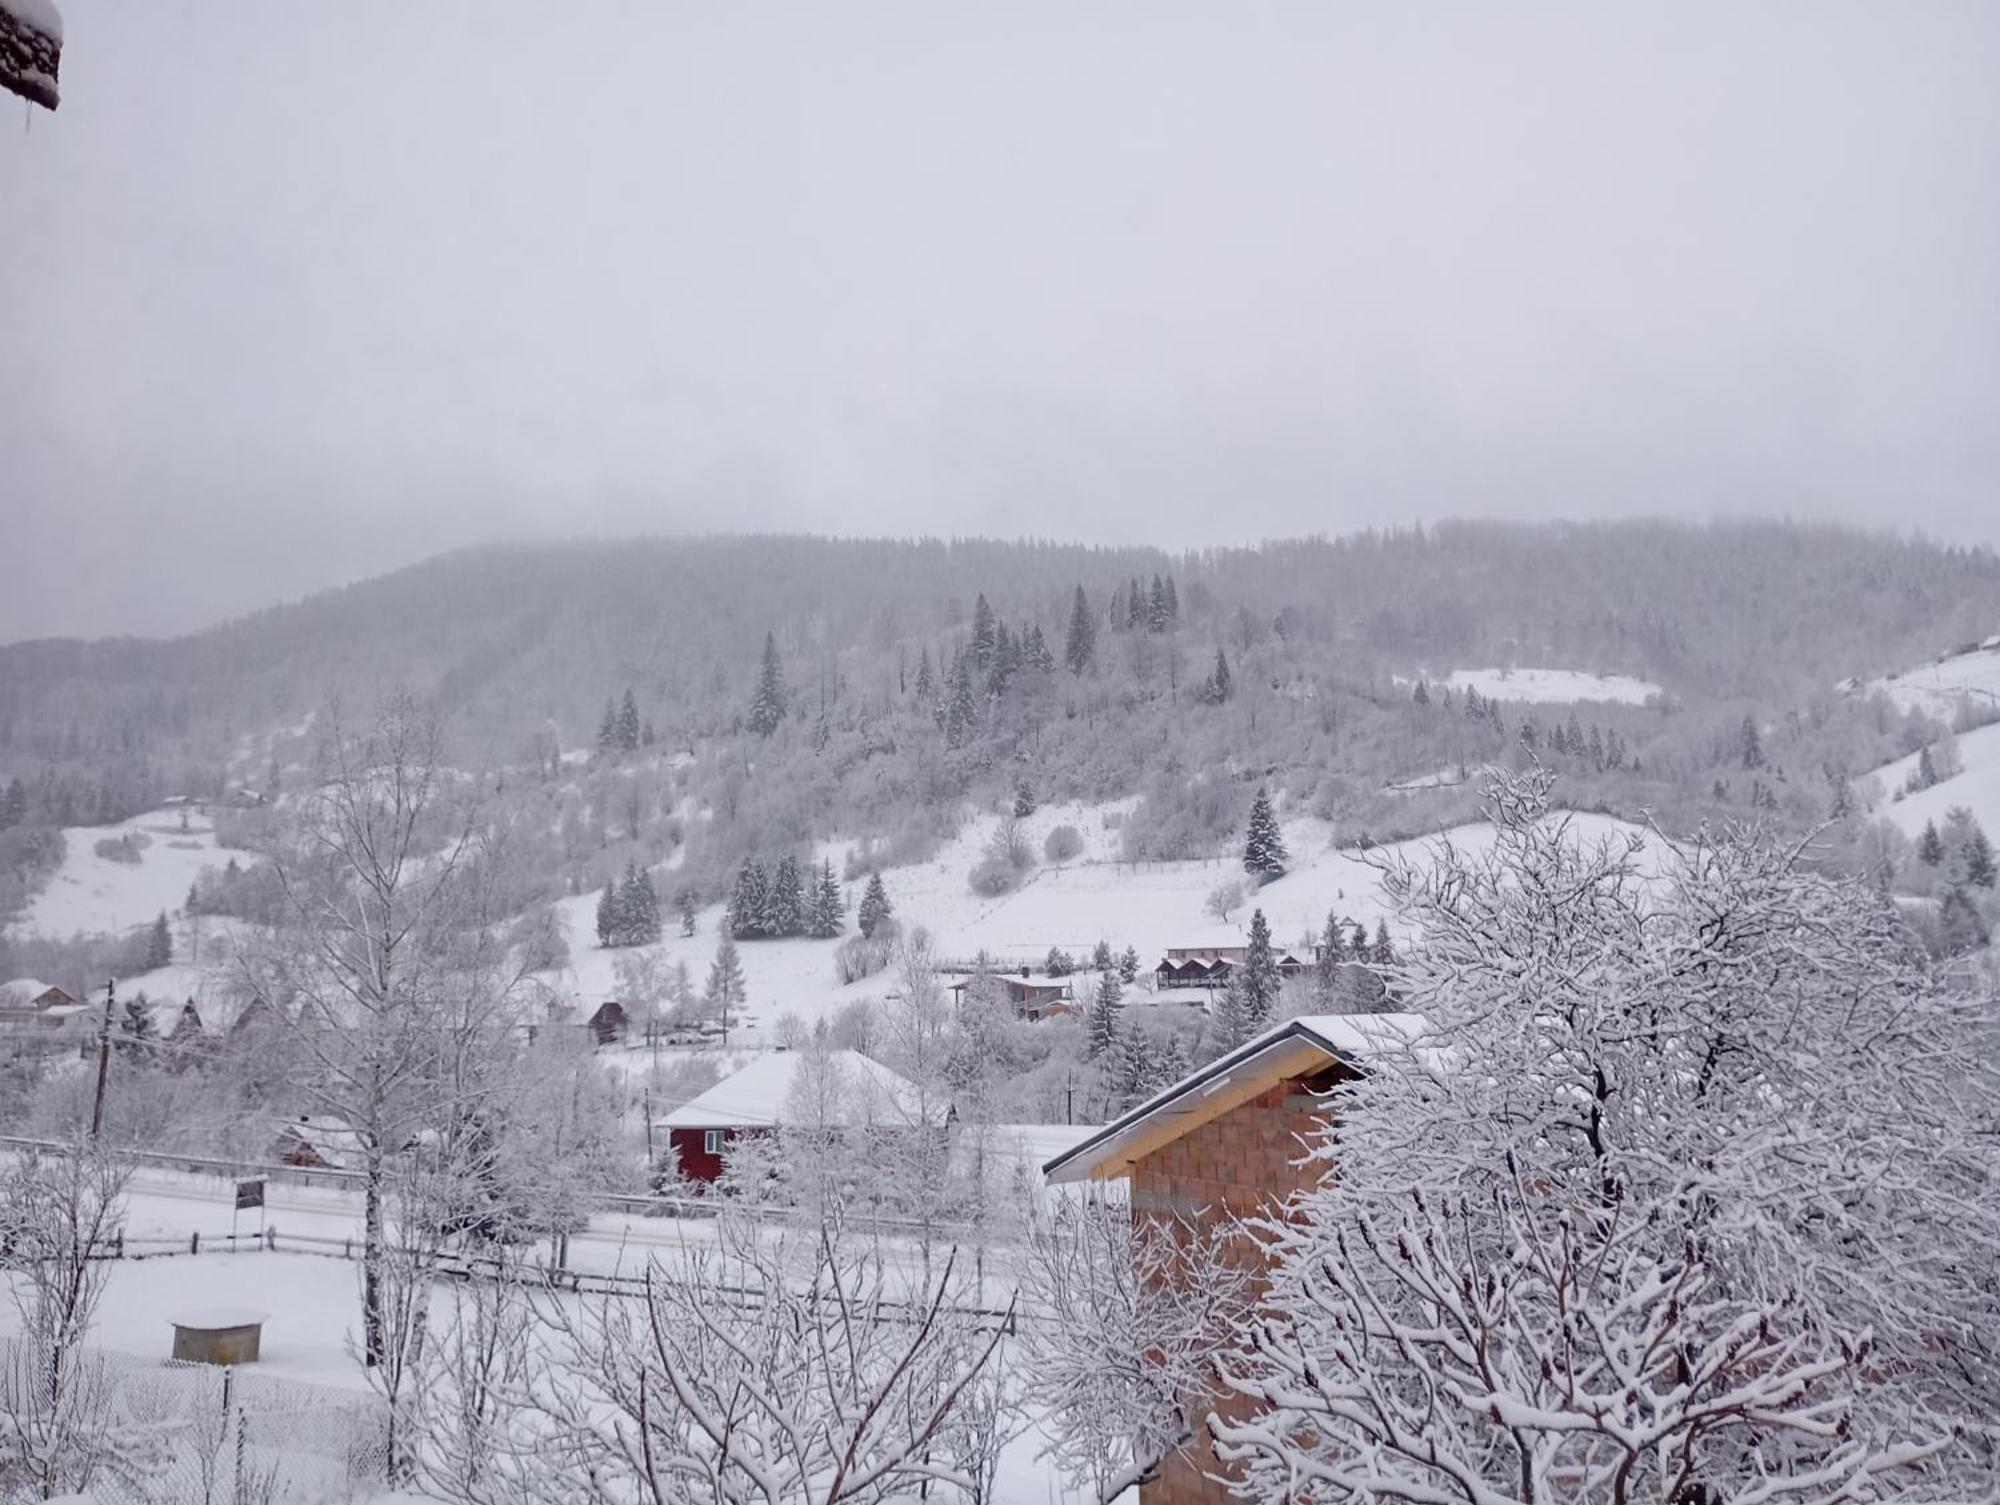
x=1024 y=798
x=14 y=807
x=1930 y=846
x=1173 y=605
x=875 y=906
x=1128 y=966
x=684 y=906
x=727 y=990
x=767 y=706
x=829 y=907
x=1219 y=677
x=1173 y=1063
x=1132 y=1068
x=1926 y=770
x=1752 y=749
x=1327 y=959
x=1104 y=1009
x=1058 y=962
x=640 y=906
x=1264 y=851
x=984 y=638
x=628 y=723
x=1101 y=959
x=607 y=730
x=607 y=915
x=750 y=902
x=1156 y=606
x=1231 y=1021
x=1038 y=655
x=961 y=718
x=159 y=944
x=926 y=689
x=788 y=899
x=1081 y=646
x=1384 y=954
x=1135 y=606
x=1979 y=870
x=1260 y=975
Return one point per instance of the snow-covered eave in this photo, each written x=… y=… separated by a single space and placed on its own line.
x=31 y=49
x=1295 y=1048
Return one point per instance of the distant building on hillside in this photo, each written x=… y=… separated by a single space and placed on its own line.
x=1032 y=998
x=608 y=1025
x=753 y=1103
x=1223 y=1143
x=33 y=1012
x=317 y=1144
x=1210 y=966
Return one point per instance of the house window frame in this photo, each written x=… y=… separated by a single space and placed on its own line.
x=711 y=1141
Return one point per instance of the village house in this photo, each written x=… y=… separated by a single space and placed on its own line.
x=753 y=1102
x=1032 y=997
x=1224 y=1143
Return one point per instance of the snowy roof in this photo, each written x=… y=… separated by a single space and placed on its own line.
x=755 y=1097
x=1294 y=1048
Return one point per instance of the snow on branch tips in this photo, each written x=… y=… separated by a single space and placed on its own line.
x=1693 y=1194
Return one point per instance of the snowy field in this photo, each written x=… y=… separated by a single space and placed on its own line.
x=1937 y=689
x=1977 y=787
x=1550 y=686
x=93 y=893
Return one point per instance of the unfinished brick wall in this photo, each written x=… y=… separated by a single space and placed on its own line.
x=1236 y=1165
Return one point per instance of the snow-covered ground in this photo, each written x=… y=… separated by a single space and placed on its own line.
x=1937 y=689
x=1550 y=685
x=1977 y=787
x=93 y=893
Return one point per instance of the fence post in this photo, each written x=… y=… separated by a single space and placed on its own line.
x=194 y=1242
x=271 y=1240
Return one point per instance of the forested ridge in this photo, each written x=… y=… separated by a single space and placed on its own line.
x=787 y=687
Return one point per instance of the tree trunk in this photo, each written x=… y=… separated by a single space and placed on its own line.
x=371 y=1261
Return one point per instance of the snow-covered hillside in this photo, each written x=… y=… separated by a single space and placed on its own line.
x=1977 y=787
x=1072 y=906
x=1550 y=685
x=1938 y=689
x=90 y=893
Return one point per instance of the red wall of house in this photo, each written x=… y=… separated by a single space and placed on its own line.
x=695 y=1161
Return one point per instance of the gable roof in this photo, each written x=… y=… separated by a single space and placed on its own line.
x=754 y=1097
x=1295 y=1048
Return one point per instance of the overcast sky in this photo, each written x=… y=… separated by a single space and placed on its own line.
x=293 y=294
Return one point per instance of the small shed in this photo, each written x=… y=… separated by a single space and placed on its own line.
x=608 y=1025
x=317 y=1143
x=1031 y=997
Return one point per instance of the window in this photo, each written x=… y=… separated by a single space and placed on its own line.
x=711 y=1141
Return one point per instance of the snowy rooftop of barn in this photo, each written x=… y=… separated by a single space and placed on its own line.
x=758 y=1096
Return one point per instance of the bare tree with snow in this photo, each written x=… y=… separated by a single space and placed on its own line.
x=1690 y=1196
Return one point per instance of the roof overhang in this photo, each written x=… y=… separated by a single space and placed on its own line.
x=30 y=49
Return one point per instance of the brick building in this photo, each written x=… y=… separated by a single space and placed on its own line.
x=1224 y=1143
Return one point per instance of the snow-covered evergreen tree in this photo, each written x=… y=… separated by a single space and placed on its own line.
x=628 y=723
x=1260 y=976
x=961 y=712
x=1080 y=647
x=875 y=906
x=788 y=898
x=608 y=921
x=1264 y=853
x=984 y=639
x=767 y=705
x=1101 y=959
x=829 y=905
x=1105 y=1006
x=727 y=991
x=159 y=944
x=1128 y=966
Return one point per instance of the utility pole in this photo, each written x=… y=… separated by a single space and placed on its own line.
x=103 y=1058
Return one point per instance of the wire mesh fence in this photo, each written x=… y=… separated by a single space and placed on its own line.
x=143 y=1431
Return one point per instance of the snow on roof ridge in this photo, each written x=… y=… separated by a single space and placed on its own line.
x=753 y=1097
